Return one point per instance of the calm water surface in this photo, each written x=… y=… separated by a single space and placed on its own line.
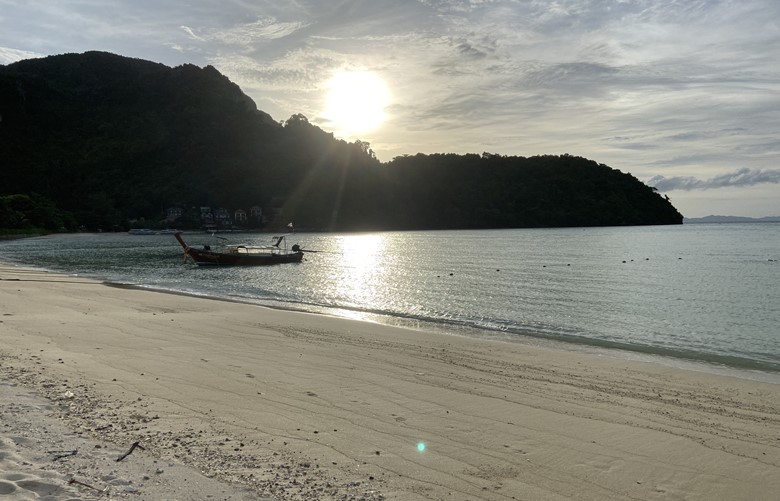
x=706 y=292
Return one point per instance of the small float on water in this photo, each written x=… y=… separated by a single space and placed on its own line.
x=243 y=255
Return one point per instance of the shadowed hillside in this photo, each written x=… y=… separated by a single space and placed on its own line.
x=100 y=141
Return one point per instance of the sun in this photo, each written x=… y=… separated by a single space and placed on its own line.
x=356 y=102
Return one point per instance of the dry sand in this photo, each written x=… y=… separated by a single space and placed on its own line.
x=225 y=397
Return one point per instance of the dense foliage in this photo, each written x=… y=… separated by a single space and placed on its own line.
x=20 y=212
x=97 y=140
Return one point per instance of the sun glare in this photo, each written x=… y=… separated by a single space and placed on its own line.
x=356 y=102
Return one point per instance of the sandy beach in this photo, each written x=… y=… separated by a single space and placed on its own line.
x=234 y=401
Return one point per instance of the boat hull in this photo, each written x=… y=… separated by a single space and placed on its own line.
x=208 y=258
x=204 y=257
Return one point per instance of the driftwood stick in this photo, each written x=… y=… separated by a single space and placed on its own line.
x=132 y=448
x=74 y=481
x=62 y=454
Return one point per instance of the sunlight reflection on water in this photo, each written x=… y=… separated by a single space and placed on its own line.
x=697 y=291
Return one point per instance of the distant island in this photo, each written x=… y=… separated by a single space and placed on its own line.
x=102 y=142
x=731 y=219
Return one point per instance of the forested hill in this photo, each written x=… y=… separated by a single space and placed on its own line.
x=100 y=141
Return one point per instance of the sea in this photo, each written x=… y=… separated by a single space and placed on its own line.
x=700 y=296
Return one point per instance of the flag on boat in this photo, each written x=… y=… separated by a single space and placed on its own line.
x=290 y=225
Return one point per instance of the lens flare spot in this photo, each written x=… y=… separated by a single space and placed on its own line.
x=421 y=447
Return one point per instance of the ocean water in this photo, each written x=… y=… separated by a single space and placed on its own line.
x=699 y=293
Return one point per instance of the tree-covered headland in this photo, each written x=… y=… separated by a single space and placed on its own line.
x=98 y=141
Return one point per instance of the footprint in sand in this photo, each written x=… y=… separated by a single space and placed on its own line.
x=40 y=488
x=6 y=488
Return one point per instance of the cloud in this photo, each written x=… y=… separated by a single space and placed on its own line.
x=8 y=55
x=739 y=178
x=470 y=50
x=268 y=28
x=301 y=69
x=191 y=33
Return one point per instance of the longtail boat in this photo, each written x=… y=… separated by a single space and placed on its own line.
x=243 y=255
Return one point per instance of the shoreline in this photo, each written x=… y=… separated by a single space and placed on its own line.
x=707 y=363
x=740 y=368
x=298 y=405
x=653 y=346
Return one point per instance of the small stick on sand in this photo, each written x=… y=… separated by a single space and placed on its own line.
x=74 y=481
x=132 y=448
x=62 y=454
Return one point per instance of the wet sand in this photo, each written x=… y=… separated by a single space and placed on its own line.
x=292 y=405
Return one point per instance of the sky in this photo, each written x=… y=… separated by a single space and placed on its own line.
x=682 y=94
